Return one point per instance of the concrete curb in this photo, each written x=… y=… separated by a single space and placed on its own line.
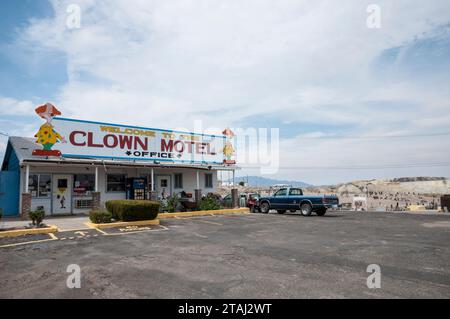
x=169 y=215
x=32 y=231
x=205 y=212
x=123 y=224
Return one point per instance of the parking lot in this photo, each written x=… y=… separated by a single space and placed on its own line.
x=238 y=256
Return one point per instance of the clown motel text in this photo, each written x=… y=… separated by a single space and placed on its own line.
x=140 y=143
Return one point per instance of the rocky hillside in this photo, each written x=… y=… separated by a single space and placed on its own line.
x=421 y=185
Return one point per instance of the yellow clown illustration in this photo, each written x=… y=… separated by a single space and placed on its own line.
x=47 y=136
x=228 y=149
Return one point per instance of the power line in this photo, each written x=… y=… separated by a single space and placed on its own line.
x=360 y=167
x=375 y=136
x=4 y=134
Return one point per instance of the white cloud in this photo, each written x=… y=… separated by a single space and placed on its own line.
x=168 y=63
x=9 y=106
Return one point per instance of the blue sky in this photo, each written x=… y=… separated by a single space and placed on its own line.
x=26 y=75
x=333 y=87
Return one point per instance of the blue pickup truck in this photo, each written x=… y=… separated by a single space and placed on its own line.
x=292 y=199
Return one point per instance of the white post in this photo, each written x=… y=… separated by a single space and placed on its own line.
x=96 y=179
x=27 y=178
x=198 y=180
x=153 y=180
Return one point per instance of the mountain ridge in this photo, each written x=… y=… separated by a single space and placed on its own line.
x=258 y=181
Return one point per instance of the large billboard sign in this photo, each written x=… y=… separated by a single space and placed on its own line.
x=86 y=139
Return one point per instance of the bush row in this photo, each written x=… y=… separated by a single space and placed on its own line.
x=126 y=210
x=209 y=203
x=100 y=216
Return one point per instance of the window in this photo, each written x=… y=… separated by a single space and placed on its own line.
x=115 y=183
x=178 y=181
x=295 y=191
x=164 y=183
x=281 y=192
x=83 y=184
x=208 y=180
x=62 y=183
x=40 y=185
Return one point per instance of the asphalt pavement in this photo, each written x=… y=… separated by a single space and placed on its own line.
x=239 y=256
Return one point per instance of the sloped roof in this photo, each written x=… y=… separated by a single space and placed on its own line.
x=23 y=147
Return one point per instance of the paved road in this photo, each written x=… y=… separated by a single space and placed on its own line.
x=244 y=256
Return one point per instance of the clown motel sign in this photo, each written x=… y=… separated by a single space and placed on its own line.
x=86 y=139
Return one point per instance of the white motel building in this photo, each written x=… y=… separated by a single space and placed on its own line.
x=72 y=166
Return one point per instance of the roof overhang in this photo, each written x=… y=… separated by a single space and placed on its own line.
x=122 y=164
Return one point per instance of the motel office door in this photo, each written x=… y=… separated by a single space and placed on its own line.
x=62 y=194
x=163 y=187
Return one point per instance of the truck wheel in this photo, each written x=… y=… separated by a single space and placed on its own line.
x=265 y=207
x=321 y=212
x=306 y=209
x=281 y=211
x=254 y=209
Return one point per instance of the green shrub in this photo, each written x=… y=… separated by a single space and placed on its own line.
x=172 y=204
x=37 y=217
x=133 y=210
x=209 y=203
x=111 y=207
x=100 y=216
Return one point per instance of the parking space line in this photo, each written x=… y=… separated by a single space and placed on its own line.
x=73 y=230
x=52 y=236
x=100 y=231
x=198 y=235
x=209 y=222
x=27 y=242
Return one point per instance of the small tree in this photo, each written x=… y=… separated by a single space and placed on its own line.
x=242 y=183
x=37 y=217
x=171 y=204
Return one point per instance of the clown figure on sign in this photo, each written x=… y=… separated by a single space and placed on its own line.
x=47 y=136
x=228 y=149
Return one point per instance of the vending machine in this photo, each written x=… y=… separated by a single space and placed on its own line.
x=137 y=188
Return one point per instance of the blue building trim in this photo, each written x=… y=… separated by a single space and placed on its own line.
x=10 y=183
x=140 y=159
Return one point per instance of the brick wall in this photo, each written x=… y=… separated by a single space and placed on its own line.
x=26 y=205
x=198 y=196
